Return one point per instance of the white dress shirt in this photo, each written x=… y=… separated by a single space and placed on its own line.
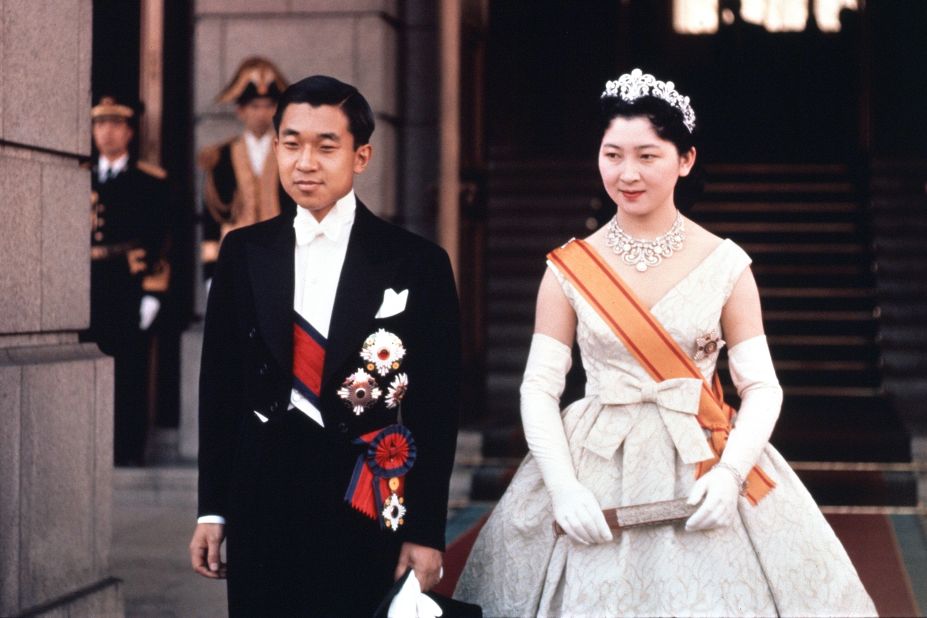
x=319 y=256
x=258 y=149
x=104 y=166
x=320 y=250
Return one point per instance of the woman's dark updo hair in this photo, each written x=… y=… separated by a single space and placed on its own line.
x=667 y=122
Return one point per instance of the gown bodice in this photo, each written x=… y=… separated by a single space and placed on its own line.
x=690 y=310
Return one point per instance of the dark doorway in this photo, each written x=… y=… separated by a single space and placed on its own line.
x=760 y=96
x=547 y=61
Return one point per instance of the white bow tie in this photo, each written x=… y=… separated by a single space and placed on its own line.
x=308 y=228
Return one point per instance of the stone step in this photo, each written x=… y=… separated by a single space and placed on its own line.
x=904 y=227
x=895 y=289
x=892 y=266
x=841 y=188
x=766 y=170
x=900 y=246
x=821 y=229
x=847 y=210
x=900 y=362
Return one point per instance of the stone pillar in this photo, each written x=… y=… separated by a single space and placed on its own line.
x=55 y=393
x=356 y=41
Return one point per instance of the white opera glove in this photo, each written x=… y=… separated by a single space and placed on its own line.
x=761 y=399
x=148 y=311
x=720 y=490
x=410 y=602
x=575 y=507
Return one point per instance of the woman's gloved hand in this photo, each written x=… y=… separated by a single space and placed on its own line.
x=720 y=489
x=580 y=515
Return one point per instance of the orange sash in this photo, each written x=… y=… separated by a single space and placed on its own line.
x=652 y=346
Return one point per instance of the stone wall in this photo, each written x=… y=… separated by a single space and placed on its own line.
x=55 y=393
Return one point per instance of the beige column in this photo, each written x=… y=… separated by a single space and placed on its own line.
x=151 y=79
x=449 y=179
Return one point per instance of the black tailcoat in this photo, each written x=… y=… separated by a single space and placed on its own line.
x=294 y=545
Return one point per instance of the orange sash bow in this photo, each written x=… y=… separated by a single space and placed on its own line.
x=652 y=346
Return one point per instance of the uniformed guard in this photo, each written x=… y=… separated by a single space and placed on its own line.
x=241 y=185
x=129 y=202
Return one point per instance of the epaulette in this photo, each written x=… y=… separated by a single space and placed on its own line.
x=151 y=169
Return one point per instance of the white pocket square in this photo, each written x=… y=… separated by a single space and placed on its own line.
x=393 y=303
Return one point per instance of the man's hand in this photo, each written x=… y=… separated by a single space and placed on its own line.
x=425 y=560
x=204 y=550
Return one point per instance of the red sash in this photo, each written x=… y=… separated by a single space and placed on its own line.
x=652 y=346
x=308 y=359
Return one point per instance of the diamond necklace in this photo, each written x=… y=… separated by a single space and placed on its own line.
x=644 y=254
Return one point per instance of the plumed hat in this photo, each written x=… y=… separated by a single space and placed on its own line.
x=256 y=77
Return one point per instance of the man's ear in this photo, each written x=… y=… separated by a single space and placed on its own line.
x=362 y=158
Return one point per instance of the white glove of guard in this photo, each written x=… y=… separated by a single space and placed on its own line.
x=148 y=311
x=409 y=602
x=761 y=399
x=575 y=508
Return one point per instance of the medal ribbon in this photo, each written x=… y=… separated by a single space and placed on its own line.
x=652 y=346
x=390 y=454
x=308 y=359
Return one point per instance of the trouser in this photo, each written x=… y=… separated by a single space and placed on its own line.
x=295 y=548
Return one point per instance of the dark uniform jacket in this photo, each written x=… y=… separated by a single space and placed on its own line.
x=130 y=211
x=293 y=541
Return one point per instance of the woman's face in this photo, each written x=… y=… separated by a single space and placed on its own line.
x=638 y=168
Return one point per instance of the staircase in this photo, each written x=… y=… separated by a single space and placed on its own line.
x=806 y=228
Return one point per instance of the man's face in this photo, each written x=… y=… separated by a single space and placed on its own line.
x=112 y=136
x=316 y=156
x=258 y=115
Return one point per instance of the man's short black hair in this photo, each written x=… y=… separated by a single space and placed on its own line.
x=324 y=90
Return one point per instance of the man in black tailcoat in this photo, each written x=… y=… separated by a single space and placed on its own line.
x=329 y=385
x=129 y=219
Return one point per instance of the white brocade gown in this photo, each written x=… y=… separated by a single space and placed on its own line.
x=778 y=558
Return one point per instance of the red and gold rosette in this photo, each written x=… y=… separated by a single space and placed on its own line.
x=376 y=487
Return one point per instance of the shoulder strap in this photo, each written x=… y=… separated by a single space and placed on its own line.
x=653 y=347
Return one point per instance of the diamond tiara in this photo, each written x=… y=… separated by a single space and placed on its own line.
x=636 y=84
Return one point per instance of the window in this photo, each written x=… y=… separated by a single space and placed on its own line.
x=701 y=16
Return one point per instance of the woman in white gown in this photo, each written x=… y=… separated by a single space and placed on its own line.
x=757 y=544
